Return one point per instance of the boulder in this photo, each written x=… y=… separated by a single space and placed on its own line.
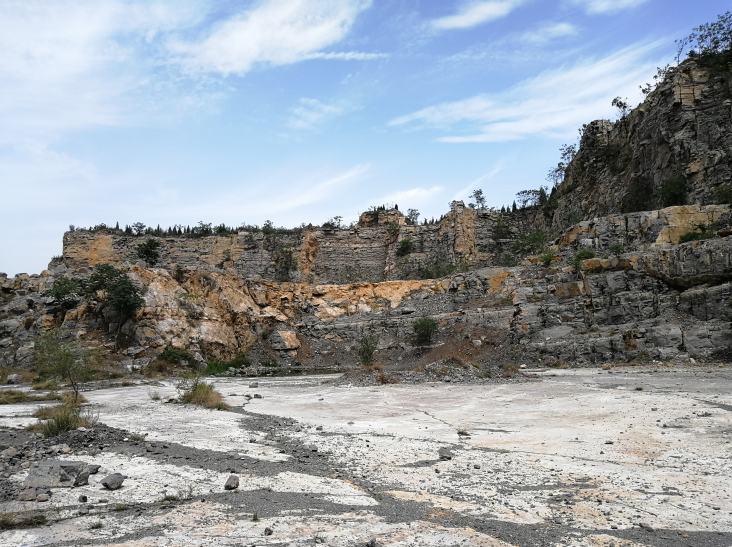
x=284 y=340
x=232 y=483
x=113 y=481
x=56 y=474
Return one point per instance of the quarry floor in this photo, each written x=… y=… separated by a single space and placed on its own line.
x=585 y=457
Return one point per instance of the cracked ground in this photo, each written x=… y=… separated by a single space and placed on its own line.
x=631 y=457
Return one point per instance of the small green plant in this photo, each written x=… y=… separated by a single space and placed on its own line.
x=59 y=419
x=392 y=229
x=425 y=328
x=66 y=291
x=702 y=231
x=673 y=191
x=617 y=249
x=148 y=251
x=722 y=194
x=120 y=507
x=530 y=243
x=462 y=432
x=366 y=348
x=65 y=360
x=174 y=356
x=96 y=526
x=507 y=260
x=406 y=246
x=154 y=394
x=255 y=517
x=581 y=256
x=547 y=257
x=179 y=274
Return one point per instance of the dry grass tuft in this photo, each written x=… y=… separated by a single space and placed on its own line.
x=384 y=378
x=12 y=396
x=54 y=420
x=203 y=394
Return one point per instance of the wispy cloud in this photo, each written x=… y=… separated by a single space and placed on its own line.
x=554 y=103
x=276 y=32
x=414 y=196
x=476 y=13
x=608 y=6
x=75 y=64
x=310 y=113
x=348 y=56
x=548 y=32
x=464 y=193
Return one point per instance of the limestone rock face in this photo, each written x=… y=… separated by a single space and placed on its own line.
x=284 y=340
x=682 y=129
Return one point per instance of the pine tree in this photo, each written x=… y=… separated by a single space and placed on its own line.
x=513 y=207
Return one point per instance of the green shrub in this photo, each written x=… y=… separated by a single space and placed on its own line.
x=148 y=251
x=406 y=246
x=702 y=232
x=673 y=191
x=66 y=291
x=425 y=328
x=547 y=257
x=530 y=243
x=366 y=348
x=66 y=360
x=722 y=194
x=507 y=260
x=617 y=249
x=174 y=356
x=576 y=260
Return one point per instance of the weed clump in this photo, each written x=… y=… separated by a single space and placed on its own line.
x=195 y=391
x=55 y=420
x=425 y=328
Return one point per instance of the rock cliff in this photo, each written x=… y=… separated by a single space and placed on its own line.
x=655 y=298
x=304 y=297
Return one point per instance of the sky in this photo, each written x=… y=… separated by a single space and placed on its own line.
x=239 y=111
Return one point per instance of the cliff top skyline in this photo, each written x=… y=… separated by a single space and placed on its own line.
x=300 y=110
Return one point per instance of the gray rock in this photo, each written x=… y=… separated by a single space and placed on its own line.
x=83 y=499
x=15 y=379
x=232 y=483
x=113 y=481
x=29 y=494
x=257 y=396
x=268 y=531
x=55 y=474
x=253 y=385
x=284 y=340
x=43 y=497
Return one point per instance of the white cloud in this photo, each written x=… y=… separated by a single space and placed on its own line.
x=276 y=32
x=608 y=6
x=549 y=32
x=348 y=56
x=310 y=112
x=75 y=64
x=464 y=193
x=554 y=103
x=475 y=13
x=411 y=197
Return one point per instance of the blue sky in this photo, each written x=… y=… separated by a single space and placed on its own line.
x=178 y=111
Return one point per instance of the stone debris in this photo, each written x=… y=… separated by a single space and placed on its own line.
x=14 y=379
x=232 y=483
x=57 y=474
x=113 y=481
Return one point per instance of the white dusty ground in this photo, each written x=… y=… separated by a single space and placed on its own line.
x=632 y=458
